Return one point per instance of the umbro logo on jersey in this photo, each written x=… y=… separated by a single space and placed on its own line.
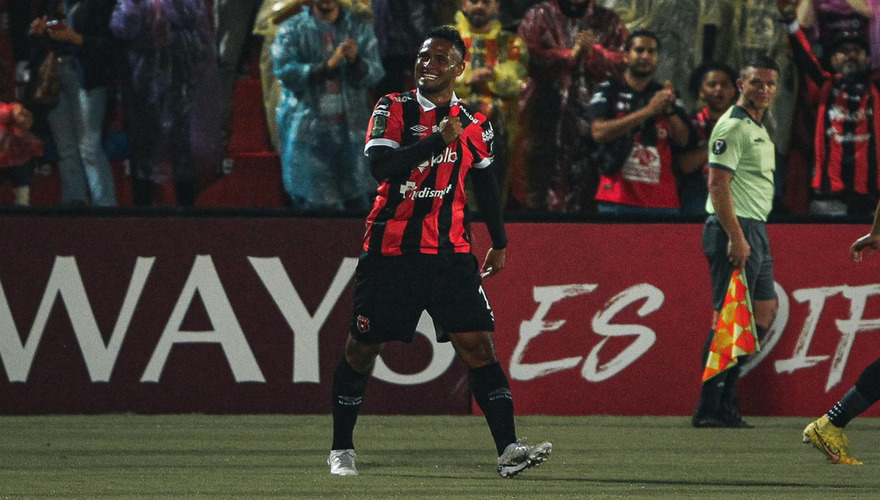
x=419 y=129
x=759 y=140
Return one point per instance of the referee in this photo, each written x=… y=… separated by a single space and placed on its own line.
x=742 y=159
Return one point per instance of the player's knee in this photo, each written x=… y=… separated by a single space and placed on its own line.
x=361 y=355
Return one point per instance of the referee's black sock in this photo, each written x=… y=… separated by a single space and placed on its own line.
x=348 y=394
x=492 y=392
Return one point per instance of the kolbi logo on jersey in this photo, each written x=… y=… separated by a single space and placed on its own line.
x=447 y=156
x=411 y=191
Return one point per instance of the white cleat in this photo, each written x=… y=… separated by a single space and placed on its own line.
x=518 y=457
x=341 y=463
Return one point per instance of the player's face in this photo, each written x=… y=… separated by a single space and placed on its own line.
x=479 y=12
x=642 y=56
x=850 y=59
x=718 y=90
x=758 y=88
x=438 y=63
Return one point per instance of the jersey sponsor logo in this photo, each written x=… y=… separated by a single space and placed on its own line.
x=411 y=191
x=719 y=146
x=447 y=156
x=469 y=116
x=379 y=124
x=489 y=133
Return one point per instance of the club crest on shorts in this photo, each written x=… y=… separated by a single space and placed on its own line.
x=363 y=324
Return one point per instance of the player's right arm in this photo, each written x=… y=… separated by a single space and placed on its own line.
x=870 y=241
x=387 y=158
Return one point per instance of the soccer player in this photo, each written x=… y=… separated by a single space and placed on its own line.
x=826 y=433
x=742 y=160
x=421 y=144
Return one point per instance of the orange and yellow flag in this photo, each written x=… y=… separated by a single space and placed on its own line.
x=735 y=333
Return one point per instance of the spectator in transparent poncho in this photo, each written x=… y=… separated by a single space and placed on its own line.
x=326 y=58
x=174 y=87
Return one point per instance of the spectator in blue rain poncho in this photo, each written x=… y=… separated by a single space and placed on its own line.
x=326 y=58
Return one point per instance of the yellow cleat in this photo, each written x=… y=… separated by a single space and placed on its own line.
x=830 y=440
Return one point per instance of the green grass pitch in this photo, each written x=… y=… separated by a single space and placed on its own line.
x=446 y=457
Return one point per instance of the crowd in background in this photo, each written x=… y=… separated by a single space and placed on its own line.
x=151 y=82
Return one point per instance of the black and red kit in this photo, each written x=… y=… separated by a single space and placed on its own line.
x=420 y=204
x=847 y=136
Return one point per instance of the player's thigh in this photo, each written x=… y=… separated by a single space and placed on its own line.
x=458 y=302
x=389 y=298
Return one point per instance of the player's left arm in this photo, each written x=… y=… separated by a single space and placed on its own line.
x=486 y=191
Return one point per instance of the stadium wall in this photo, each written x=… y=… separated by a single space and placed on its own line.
x=249 y=315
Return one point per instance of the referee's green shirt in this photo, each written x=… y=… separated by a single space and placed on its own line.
x=743 y=147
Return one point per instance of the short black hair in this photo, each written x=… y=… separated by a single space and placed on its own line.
x=760 y=61
x=700 y=72
x=637 y=34
x=451 y=35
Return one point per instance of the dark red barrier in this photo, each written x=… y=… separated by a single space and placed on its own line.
x=158 y=315
x=192 y=315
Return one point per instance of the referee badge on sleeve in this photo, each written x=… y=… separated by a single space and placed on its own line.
x=719 y=146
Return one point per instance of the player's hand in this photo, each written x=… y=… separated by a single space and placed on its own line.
x=869 y=243
x=494 y=262
x=739 y=252
x=450 y=128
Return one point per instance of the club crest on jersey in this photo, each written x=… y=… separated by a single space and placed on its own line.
x=363 y=324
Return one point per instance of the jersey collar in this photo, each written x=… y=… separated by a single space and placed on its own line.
x=428 y=105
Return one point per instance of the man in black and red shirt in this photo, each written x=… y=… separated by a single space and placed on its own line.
x=421 y=144
x=847 y=137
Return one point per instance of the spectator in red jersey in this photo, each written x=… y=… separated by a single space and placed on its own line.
x=715 y=84
x=421 y=145
x=639 y=120
x=847 y=136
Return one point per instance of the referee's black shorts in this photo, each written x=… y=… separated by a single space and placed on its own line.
x=390 y=294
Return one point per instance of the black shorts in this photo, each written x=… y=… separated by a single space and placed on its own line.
x=390 y=294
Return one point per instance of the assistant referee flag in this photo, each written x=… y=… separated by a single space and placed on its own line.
x=735 y=332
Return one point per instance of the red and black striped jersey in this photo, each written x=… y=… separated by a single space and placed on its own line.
x=424 y=212
x=846 y=144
